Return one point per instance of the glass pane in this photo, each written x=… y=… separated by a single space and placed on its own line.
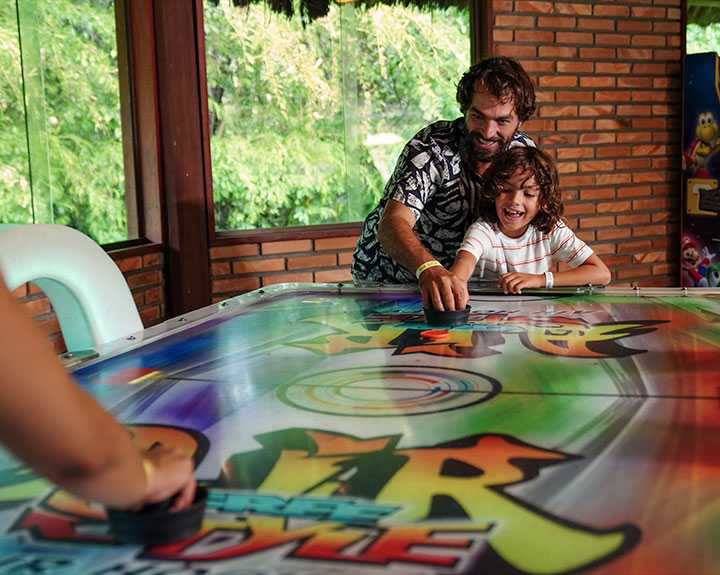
x=307 y=118
x=74 y=136
x=15 y=199
x=702 y=38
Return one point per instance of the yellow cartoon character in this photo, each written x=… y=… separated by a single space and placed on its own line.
x=703 y=147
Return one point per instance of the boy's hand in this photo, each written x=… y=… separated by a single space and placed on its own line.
x=514 y=282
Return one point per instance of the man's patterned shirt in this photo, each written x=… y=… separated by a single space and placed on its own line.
x=432 y=180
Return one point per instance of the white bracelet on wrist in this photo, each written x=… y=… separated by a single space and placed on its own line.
x=549 y=279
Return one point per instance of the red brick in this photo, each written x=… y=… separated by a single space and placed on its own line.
x=653 y=204
x=573 y=8
x=655 y=230
x=502 y=35
x=648 y=150
x=336 y=243
x=613 y=234
x=566 y=167
x=649 y=68
x=596 y=24
x=651 y=96
x=558 y=111
x=573 y=38
x=610 y=10
x=538 y=125
x=566 y=22
x=516 y=51
x=609 y=179
x=220 y=268
x=537 y=65
x=633 y=272
x=152 y=260
x=614 y=124
x=575 y=153
x=649 y=257
x=515 y=22
x=635 y=54
x=613 y=261
x=667 y=27
x=598 y=138
x=612 y=207
x=633 y=110
x=537 y=36
x=129 y=264
x=502 y=5
x=574 y=96
x=559 y=139
x=579 y=209
x=662 y=269
x=246 y=266
x=635 y=82
x=597 y=82
x=531 y=6
x=634 y=26
x=674 y=14
x=642 y=12
x=597 y=222
x=633 y=219
x=287 y=246
x=648 y=40
x=575 y=125
x=648 y=177
x=236 y=251
x=575 y=67
x=670 y=54
x=603 y=249
x=544 y=96
x=150 y=315
x=633 y=164
x=234 y=285
x=634 y=191
x=144 y=279
x=613 y=96
x=340 y=275
x=345 y=258
x=597 y=166
x=612 y=39
x=597 y=194
x=577 y=181
x=557 y=52
x=153 y=295
x=287 y=278
x=612 y=68
x=598 y=110
x=626 y=137
x=558 y=81
x=316 y=261
x=613 y=151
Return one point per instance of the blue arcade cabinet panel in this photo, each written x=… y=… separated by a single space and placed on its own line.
x=700 y=239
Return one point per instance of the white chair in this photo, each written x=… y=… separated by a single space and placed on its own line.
x=90 y=297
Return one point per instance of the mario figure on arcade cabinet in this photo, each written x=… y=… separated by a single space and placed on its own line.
x=695 y=263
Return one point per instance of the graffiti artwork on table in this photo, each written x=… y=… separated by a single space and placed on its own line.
x=547 y=435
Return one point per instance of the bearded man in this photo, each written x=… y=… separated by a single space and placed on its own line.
x=415 y=231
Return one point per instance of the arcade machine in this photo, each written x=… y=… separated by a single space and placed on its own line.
x=700 y=225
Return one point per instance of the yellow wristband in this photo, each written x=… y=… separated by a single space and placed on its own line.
x=149 y=470
x=426 y=266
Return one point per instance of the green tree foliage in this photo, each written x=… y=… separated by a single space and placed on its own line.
x=703 y=38
x=306 y=120
x=281 y=96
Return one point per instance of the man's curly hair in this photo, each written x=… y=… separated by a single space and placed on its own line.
x=536 y=163
x=502 y=77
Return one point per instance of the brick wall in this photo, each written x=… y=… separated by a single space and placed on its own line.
x=609 y=85
x=144 y=274
x=243 y=267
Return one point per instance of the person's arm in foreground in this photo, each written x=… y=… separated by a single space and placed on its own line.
x=592 y=271
x=438 y=287
x=48 y=421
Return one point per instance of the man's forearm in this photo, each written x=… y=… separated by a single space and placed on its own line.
x=400 y=242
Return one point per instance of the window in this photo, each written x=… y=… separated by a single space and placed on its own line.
x=61 y=131
x=308 y=114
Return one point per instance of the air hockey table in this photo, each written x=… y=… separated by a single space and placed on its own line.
x=560 y=431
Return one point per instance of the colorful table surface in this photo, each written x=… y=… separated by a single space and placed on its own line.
x=553 y=433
